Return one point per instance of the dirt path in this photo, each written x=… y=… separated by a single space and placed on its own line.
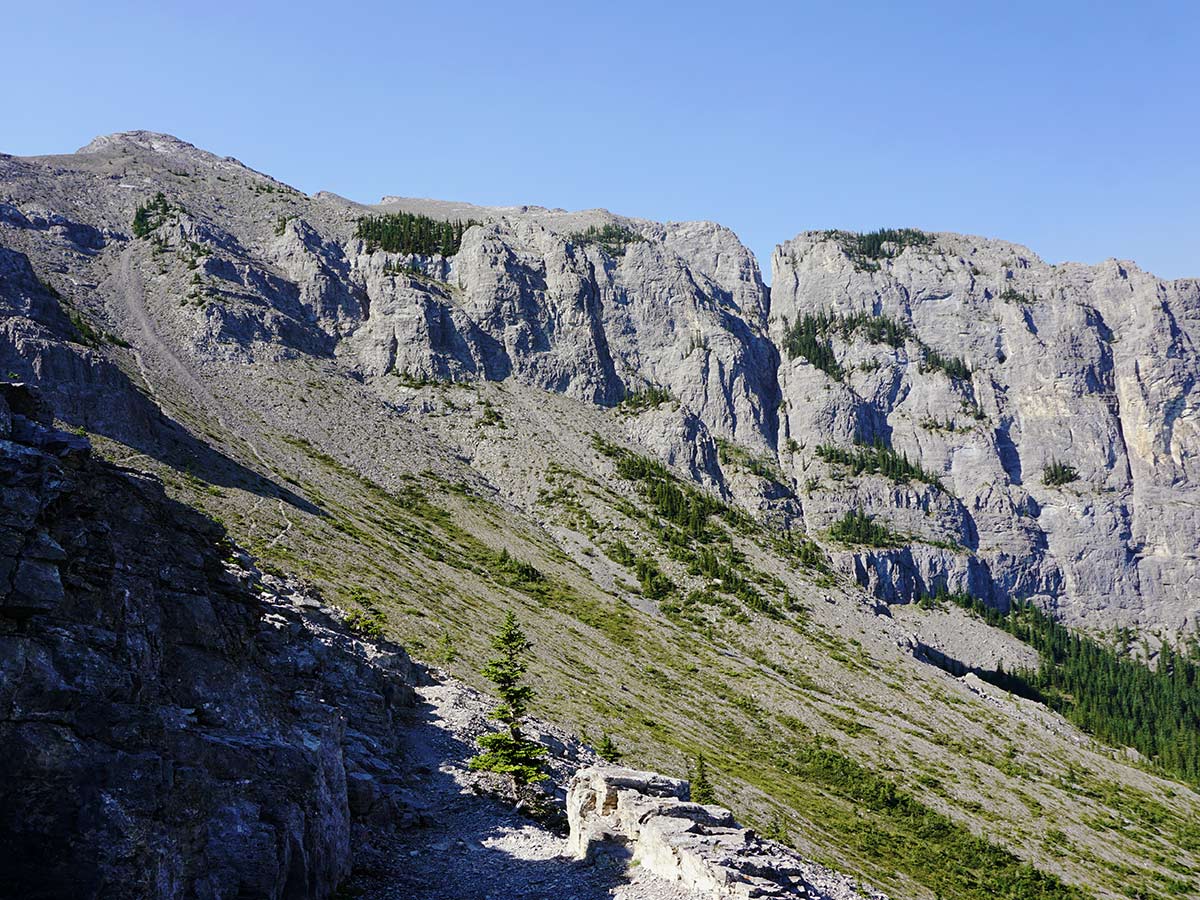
x=472 y=847
x=133 y=292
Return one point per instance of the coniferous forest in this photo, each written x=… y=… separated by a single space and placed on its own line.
x=412 y=233
x=1112 y=695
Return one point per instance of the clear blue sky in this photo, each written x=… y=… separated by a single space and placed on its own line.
x=1071 y=127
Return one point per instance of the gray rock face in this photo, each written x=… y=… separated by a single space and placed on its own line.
x=681 y=309
x=166 y=732
x=1094 y=367
x=651 y=818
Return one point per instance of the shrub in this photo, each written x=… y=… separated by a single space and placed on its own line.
x=1009 y=295
x=607 y=749
x=367 y=623
x=777 y=830
x=1057 y=473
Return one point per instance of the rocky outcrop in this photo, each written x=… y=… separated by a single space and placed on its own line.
x=651 y=819
x=172 y=724
x=682 y=307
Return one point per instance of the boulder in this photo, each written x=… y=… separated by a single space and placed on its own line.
x=651 y=819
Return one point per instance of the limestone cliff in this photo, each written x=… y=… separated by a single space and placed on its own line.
x=1091 y=367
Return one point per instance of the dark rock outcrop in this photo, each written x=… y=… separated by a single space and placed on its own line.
x=172 y=724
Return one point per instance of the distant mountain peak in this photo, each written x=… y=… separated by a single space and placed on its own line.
x=156 y=142
x=146 y=140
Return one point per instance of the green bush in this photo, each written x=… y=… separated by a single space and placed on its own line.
x=1057 y=473
x=368 y=623
x=608 y=750
x=1009 y=295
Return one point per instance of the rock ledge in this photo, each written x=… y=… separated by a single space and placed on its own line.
x=650 y=817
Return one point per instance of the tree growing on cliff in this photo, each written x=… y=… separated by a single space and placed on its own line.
x=509 y=751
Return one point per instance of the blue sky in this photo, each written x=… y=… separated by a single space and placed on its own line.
x=1070 y=127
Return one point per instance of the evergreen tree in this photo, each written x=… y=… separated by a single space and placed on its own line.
x=509 y=751
x=607 y=749
x=702 y=789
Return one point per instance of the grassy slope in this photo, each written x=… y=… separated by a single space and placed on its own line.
x=812 y=714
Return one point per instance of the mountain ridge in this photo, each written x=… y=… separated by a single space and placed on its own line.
x=384 y=424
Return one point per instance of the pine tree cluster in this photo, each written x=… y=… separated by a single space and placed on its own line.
x=856 y=527
x=878 y=458
x=612 y=239
x=151 y=215
x=867 y=249
x=810 y=337
x=412 y=233
x=1057 y=473
x=807 y=338
x=1109 y=694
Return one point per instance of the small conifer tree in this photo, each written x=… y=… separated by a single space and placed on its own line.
x=702 y=789
x=608 y=750
x=509 y=751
